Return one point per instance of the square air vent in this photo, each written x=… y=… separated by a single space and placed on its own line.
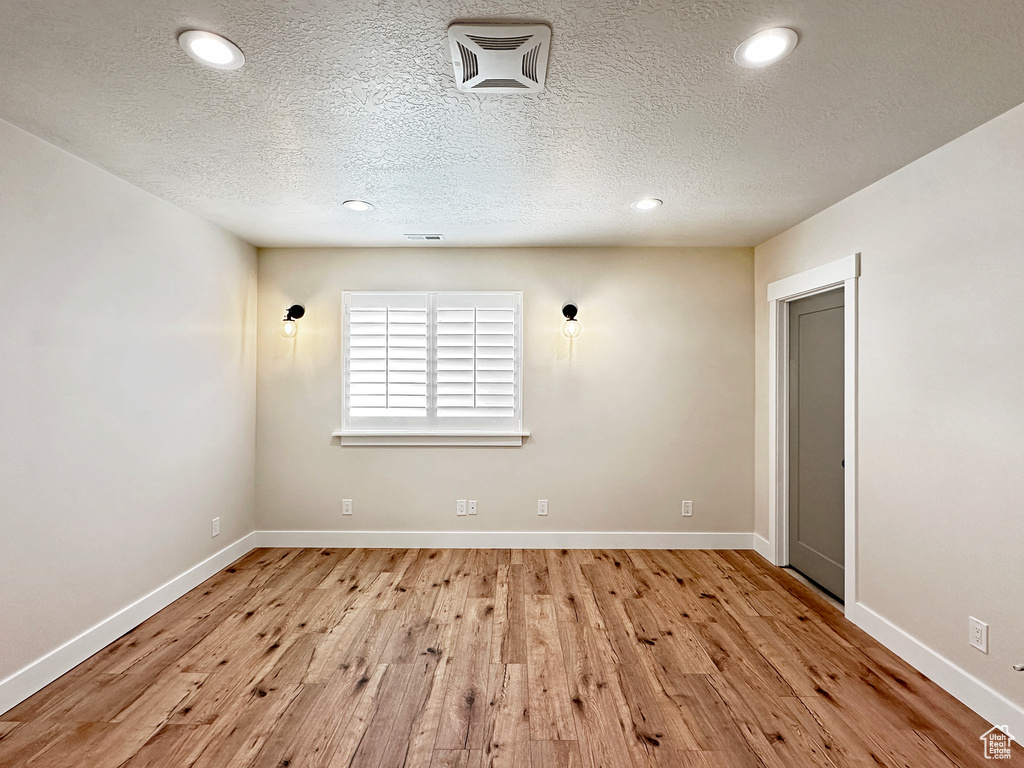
x=495 y=58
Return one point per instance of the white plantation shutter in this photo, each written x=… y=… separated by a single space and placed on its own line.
x=432 y=362
x=475 y=342
x=387 y=357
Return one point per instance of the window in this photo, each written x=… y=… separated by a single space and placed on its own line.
x=432 y=368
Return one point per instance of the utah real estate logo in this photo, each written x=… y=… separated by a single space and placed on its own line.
x=997 y=741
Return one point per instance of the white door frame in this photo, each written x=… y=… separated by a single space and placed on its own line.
x=838 y=274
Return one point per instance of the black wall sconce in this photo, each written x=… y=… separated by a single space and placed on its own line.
x=571 y=328
x=289 y=328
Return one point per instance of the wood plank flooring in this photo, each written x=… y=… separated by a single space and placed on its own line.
x=339 y=658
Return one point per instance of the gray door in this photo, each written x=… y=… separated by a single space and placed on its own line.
x=816 y=488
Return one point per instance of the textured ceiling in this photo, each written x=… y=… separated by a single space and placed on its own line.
x=342 y=99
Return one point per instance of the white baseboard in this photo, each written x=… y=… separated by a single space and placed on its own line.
x=764 y=548
x=962 y=685
x=505 y=539
x=48 y=668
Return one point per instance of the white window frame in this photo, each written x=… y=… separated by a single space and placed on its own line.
x=476 y=431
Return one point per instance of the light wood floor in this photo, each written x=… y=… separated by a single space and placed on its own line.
x=464 y=658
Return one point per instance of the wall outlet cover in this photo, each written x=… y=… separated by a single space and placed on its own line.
x=978 y=634
x=472 y=506
x=542 y=506
x=346 y=506
x=460 y=507
x=216 y=527
x=687 y=509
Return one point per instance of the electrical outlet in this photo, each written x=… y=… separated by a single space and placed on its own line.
x=542 y=506
x=346 y=506
x=216 y=527
x=460 y=507
x=687 y=509
x=472 y=506
x=978 y=634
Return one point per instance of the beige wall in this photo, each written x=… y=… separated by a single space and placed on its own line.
x=941 y=398
x=651 y=405
x=126 y=395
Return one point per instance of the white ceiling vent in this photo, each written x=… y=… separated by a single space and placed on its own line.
x=495 y=58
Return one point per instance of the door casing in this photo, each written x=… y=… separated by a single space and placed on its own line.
x=837 y=274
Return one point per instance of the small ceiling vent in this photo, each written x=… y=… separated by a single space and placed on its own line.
x=424 y=237
x=493 y=58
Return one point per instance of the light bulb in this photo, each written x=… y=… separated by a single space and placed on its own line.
x=358 y=205
x=572 y=328
x=647 y=204
x=211 y=49
x=289 y=328
x=766 y=47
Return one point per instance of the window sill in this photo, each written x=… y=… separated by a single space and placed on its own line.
x=467 y=438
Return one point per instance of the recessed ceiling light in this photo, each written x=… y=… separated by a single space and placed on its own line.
x=765 y=48
x=646 y=204
x=210 y=49
x=357 y=205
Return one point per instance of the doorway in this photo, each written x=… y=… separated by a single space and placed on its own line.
x=840 y=278
x=816 y=446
